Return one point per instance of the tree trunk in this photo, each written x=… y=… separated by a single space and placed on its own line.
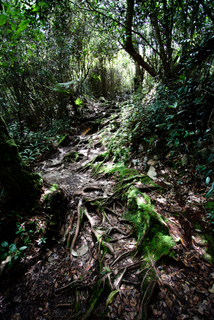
x=138 y=79
x=128 y=46
x=15 y=176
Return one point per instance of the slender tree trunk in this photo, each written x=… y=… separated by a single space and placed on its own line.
x=15 y=176
x=138 y=79
x=128 y=46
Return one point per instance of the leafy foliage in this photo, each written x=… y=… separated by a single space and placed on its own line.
x=210 y=212
x=11 y=253
x=32 y=145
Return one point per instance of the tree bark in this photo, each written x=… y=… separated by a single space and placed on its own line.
x=128 y=46
x=15 y=176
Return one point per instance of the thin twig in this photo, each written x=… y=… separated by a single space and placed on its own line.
x=112 y=212
x=119 y=279
x=116 y=229
x=121 y=256
x=67 y=286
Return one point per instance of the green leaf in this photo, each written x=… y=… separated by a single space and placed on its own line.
x=13 y=26
x=208 y=173
x=210 y=157
x=13 y=247
x=2 y=192
x=10 y=265
x=22 y=26
x=106 y=269
x=23 y=248
x=174 y=106
x=111 y=297
x=210 y=191
x=4 y=244
x=3 y=19
x=42 y=4
x=78 y=102
x=3 y=255
x=207 y=180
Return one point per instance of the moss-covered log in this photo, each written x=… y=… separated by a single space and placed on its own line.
x=15 y=176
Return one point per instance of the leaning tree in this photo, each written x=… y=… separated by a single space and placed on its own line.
x=175 y=37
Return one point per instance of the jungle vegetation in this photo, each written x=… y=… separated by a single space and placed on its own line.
x=151 y=63
x=57 y=56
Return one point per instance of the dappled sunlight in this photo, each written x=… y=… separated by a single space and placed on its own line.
x=106 y=160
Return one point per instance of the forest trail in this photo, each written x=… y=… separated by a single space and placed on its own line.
x=95 y=268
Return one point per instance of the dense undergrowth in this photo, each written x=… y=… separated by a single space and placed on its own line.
x=33 y=145
x=173 y=127
x=176 y=125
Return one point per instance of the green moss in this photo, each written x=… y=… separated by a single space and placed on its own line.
x=119 y=168
x=53 y=189
x=159 y=244
x=209 y=254
x=99 y=160
x=149 y=225
x=102 y=156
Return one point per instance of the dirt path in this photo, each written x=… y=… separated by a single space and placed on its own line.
x=94 y=269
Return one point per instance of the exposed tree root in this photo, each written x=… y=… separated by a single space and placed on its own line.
x=97 y=235
x=68 y=286
x=143 y=311
x=69 y=230
x=118 y=281
x=117 y=230
x=111 y=211
x=79 y=218
x=166 y=284
x=121 y=256
x=143 y=216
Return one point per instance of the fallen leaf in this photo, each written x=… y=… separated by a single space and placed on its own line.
x=111 y=297
x=81 y=251
x=152 y=173
x=88 y=267
x=169 y=303
x=212 y=289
